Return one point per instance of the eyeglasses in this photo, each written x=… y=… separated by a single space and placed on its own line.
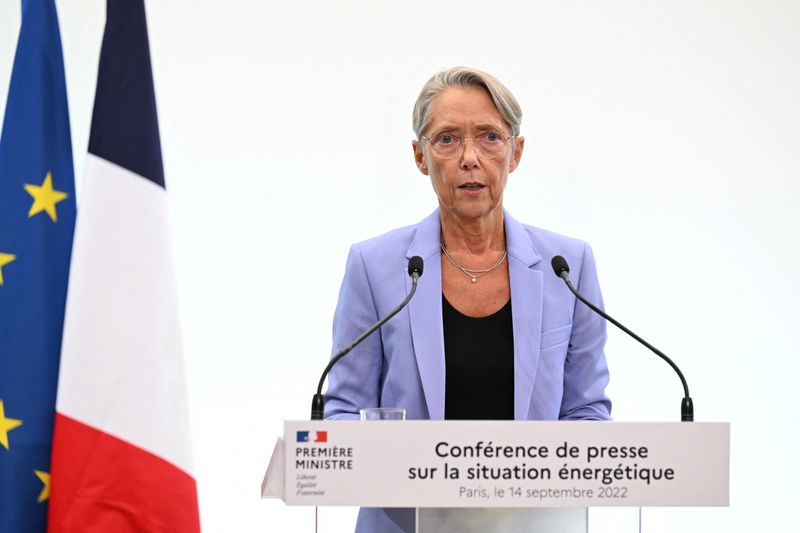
x=490 y=144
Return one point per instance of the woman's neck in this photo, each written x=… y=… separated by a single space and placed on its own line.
x=476 y=236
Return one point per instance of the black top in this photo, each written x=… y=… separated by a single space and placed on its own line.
x=479 y=363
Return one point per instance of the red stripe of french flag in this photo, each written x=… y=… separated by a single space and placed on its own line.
x=106 y=484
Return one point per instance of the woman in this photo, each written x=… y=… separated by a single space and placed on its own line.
x=492 y=333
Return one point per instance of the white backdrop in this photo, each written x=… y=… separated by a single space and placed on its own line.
x=665 y=133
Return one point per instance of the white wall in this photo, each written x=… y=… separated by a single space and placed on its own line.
x=665 y=133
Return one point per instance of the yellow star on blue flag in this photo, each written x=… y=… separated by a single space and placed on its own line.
x=4 y=260
x=6 y=425
x=45 y=197
x=36 y=176
x=44 y=477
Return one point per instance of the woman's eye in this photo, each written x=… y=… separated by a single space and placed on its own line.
x=445 y=138
x=492 y=136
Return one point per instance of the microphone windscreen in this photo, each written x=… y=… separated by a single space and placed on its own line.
x=415 y=264
x=559 y=265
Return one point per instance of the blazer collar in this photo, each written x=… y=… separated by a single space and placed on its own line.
x=519 y=244
x=426 y=238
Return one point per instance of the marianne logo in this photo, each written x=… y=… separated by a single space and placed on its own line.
x=312 y=436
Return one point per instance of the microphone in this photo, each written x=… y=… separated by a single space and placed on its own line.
x=415 y=266
x=561 y=268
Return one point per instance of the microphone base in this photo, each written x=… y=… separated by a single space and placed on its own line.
x=318 y=407
x=687 y=410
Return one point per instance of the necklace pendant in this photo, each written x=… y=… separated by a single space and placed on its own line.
x=474 y=279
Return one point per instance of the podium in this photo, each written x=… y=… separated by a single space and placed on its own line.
x=542 y=475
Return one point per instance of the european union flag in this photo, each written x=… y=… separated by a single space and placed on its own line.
x=37 y=217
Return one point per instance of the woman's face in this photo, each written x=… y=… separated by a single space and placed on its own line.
x=469 y=185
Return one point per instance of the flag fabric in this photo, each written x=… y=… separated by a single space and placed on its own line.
x=121 y=453
x=37 y=217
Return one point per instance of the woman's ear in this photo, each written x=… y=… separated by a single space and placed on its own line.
x=519 y=145
x=419 y=157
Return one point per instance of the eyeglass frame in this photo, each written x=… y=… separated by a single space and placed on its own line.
x=475 y=145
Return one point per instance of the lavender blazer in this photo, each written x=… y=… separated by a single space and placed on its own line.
x=560 y=369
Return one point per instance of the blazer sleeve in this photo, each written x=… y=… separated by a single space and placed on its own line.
x=585 y=368
x=354 y=382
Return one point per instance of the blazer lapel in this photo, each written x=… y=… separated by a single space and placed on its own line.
x=425 y=311
x=526 y=312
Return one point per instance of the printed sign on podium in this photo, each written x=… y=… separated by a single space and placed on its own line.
x=502 y=464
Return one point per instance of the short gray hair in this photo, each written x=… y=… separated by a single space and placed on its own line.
x=506 y=104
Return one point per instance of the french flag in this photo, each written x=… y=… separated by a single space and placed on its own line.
x=121 y=459
x=312 y=436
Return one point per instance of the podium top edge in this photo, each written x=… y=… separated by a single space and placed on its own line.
x=528 y=422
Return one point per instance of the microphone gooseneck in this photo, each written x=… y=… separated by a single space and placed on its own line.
x=415 y=267
x=561 y=269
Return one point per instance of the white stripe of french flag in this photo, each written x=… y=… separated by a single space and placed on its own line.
x=121 y=450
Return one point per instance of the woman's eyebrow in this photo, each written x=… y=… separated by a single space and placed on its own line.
x=481 y=126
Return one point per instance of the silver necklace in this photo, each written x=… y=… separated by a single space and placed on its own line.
x=473 y=273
